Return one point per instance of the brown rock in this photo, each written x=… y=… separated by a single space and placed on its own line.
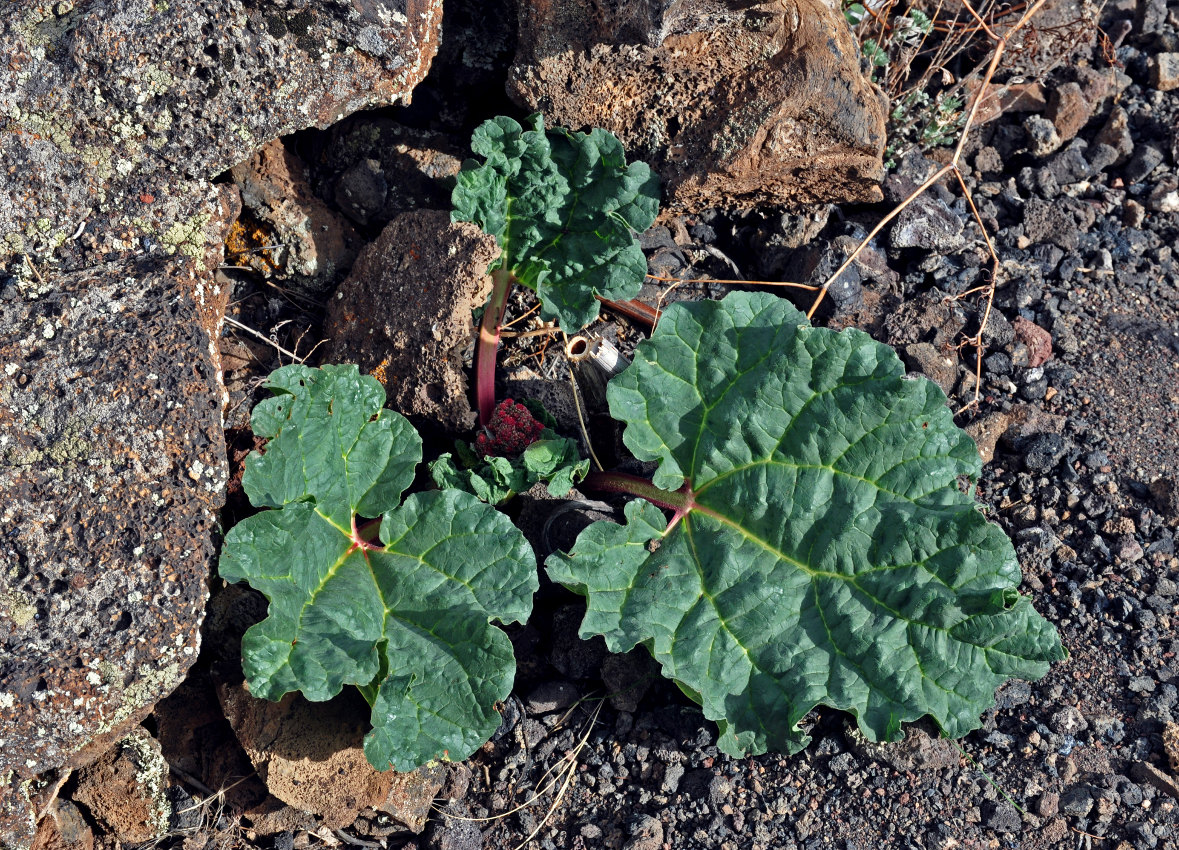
x=316 y=246
x=384 y=168
x=311 y=756
x=1053 y=833
x=1171 y=745
x=125 y=788
x=936 y=366
x=113 y=466
x=1068 y=110
x=188 y=90
x=734 y=104
x=1164 y=197
x=1144 y=771
x=412 y=794
x=1028 y=419
x=1164 y=71
x=404 y=314
x=1015 y=97
x=917 y=318
x=921 y=749
x=63 y=828
x=986 y=431
x=1164 y=490
x=1116 y=134
x=1038 y=341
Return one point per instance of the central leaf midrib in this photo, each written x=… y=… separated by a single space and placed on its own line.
x=909 y=623
x=816 y=573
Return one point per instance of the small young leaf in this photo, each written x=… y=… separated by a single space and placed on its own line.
x=563 y=207
x=406 y=618
x=551 y=459
x=827 y=555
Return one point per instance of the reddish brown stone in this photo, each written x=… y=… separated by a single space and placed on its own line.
x=1038 y=341
x=311 y=756
x=1068 y=110
x=734 y=104
x=63 y=828
x=404 y=313
x=125 y=788
x=1019 y=97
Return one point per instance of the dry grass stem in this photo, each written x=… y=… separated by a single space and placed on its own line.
x=1000 y=46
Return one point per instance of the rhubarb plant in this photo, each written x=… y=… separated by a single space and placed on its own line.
x=515 y=451
x=819 y=549
x=563 y=208
x=805 y=538
x=395 y=597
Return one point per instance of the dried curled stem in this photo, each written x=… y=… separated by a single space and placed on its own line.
x=1001 y=43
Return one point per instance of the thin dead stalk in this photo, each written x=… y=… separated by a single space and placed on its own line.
x=1000 y=46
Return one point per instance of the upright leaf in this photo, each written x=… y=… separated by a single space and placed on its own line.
x=405 y=618
x=827 y=555
x=563 y=207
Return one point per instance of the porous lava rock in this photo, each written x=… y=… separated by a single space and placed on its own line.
x=735 y=104
x=310 y=244
x=383 y=168
x=112 y=470
x=115 y=114
x=311 y=756
x=404 y=313
x=125 y=789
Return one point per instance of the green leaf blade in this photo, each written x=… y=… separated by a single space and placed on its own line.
x=330 y=441
x=563 y=207
x=300 y=562
x=828 y=557
x=407 y=618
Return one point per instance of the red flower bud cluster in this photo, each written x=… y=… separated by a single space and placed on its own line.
x=511 y=430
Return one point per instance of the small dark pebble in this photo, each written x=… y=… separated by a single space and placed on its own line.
x=1000 y=816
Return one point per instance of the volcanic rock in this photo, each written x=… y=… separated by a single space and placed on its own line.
x=734 y=104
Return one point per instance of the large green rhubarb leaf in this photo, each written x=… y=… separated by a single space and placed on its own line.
x=563 y=207
x=405 y=617
x=826 y=553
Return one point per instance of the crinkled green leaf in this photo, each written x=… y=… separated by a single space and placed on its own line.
x=407 y=621
x=563 y=207
x=828 y=555
x=330 y=440
x=556 y=461
x=552 y=459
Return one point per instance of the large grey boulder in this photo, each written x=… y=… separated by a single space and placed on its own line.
x=112 y=469
x=115 y=114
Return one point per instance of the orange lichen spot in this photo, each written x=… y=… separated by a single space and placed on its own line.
x=379 y=371
x=248 y=244
x=147 y=198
